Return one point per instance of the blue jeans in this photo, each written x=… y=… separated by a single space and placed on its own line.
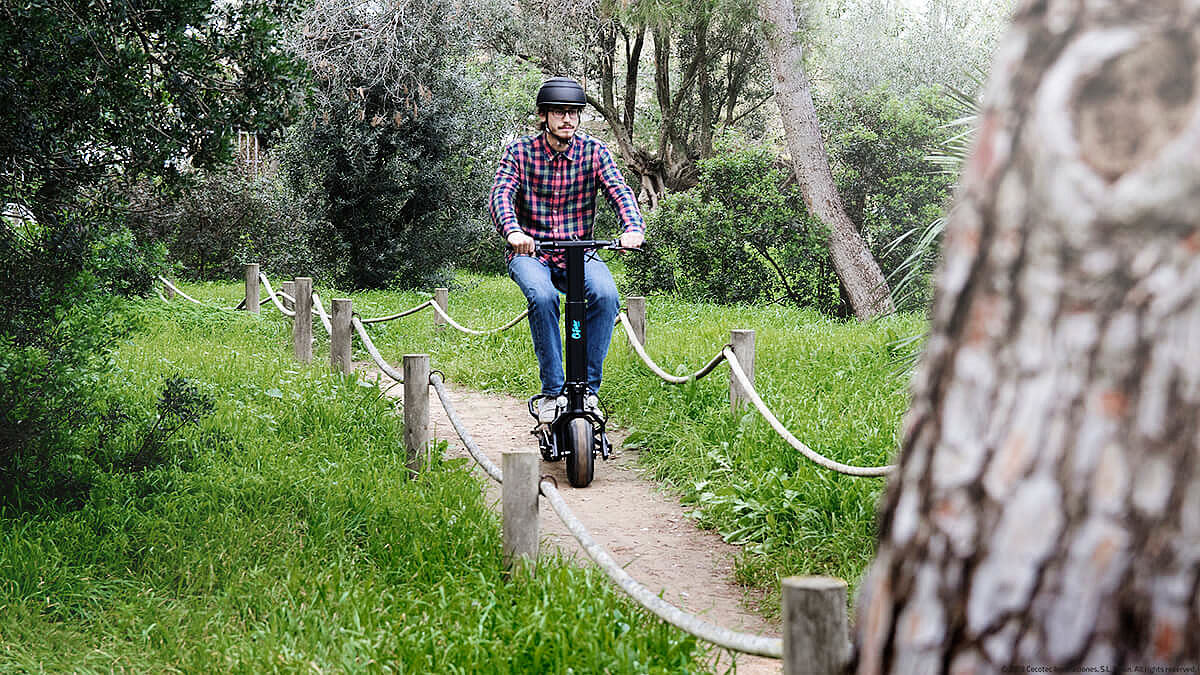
x=541 y=285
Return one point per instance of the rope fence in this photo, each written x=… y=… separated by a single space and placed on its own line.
x=399 y=315
x=741 y=384
x=492 y=470
x=471 y=331
x=374 y=352
x=640 y=350
x=171 y=287
x=806 y=592
x=723 y=637
x=736 y=368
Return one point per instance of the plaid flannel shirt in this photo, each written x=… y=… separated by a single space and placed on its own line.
x=552 y=195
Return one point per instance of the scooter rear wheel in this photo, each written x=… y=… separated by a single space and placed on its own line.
x=580 y=460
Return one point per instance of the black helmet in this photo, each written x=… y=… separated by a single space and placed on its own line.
x=561 y=91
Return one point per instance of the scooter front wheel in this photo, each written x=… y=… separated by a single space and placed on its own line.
x=580 y=460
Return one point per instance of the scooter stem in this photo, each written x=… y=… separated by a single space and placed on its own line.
x=576 y=327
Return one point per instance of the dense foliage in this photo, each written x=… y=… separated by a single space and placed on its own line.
x=229 y=217
x=61 y=316
x=93 y=98
x=879 y=146
x=399 y=144
x=743 y=233
x=739 y=236
x=856 y=47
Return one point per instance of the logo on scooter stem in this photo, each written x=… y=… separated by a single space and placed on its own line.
x=575 y=334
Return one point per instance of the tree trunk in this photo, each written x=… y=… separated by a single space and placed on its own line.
x=856 y=267
x=1046 y=511
x=706 y=104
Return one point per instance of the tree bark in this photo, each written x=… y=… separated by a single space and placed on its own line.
x=706 y=103
x=1046 y=510
x=856 y=267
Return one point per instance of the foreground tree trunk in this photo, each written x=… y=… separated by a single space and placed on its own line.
x=1046 y=511
x=856 y=267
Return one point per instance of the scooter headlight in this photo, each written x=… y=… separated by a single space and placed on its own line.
x=561 y=401
x=592 y=402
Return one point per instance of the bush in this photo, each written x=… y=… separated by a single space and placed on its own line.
x=64 y=280
x=740 y=236
x=743 y=233
x=400 y=141
x=879 y=145
x=227 y=218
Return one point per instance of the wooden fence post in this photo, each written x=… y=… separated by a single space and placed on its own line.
x=416 y=409
x=519 y=504
x=288 y=288
x=441 y=296
x=302 y=333
x=341 y=335
x=815 y=634
x=743 y=349
x=252 y=287
x=635 y=308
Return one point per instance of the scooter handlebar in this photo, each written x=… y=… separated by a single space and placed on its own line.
x=591 y=244
x=564 y=244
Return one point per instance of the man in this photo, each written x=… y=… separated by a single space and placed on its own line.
x=545 y=188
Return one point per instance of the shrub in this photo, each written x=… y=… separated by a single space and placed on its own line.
x=399 y=144
x=63 y=282
x=741 y=235
x=227 y=218
x=879 y=145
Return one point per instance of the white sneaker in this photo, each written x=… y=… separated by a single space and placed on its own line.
x=547 y=410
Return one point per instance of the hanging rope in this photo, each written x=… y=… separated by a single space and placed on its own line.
x=673 y=379
x=796 y=443
x=472 y=331
x=492 y=470
x=319 y=310
x=278 y=305
x=172 y=286
x=723 y=637
x=366 y=340
x=399 y=315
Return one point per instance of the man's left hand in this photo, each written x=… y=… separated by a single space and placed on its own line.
x=632 y=240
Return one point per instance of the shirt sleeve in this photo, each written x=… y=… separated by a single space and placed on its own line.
x=617 y=191
x=504 y=191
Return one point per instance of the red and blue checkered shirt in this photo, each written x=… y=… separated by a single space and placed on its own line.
x=552 y=195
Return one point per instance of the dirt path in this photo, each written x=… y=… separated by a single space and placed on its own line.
x=645 y=530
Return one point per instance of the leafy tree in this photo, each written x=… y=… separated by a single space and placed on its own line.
x=228 y=217
x=707 y=74
x=858 y=47
x=879 y=145
x=399 y=144
x=740 y=235
x=93 y=93
x=93 y=97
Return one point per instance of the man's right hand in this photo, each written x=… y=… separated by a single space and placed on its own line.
x=521 y=243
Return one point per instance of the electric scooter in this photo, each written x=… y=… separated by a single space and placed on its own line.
x=577 y=432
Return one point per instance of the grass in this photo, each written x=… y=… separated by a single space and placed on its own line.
x=286 y=535
x=837 y=385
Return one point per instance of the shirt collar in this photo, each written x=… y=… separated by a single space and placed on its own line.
x=573 y=151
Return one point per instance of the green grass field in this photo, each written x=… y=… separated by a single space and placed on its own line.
x=839 y=386
x=286 y=535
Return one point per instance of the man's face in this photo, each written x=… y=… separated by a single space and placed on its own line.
x=561 y=121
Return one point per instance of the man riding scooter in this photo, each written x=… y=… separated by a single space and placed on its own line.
x=545 y=190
